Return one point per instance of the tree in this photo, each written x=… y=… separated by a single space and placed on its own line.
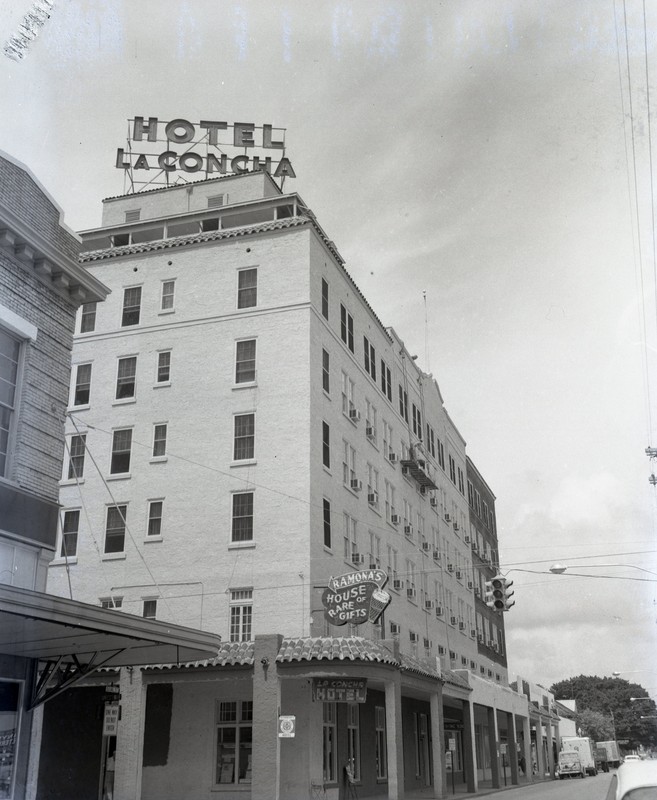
x=596 y=725
x=610 y=697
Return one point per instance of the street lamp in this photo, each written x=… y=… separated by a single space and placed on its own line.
x=559 y=569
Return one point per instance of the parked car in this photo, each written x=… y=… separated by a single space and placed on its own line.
x=632 y=757
x=636 y=780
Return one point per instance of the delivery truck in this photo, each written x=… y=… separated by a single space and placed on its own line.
x=613 y=756
x=584 y=747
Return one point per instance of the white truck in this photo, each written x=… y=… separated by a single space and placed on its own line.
x=584 y=747
x=613 y=756
x=569 y=765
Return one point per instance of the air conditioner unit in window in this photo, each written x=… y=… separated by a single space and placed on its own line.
x=428 y=604
x=461 y=626
x=426 y=546
x=477 y=591
x=475 y=547
x=398 y=584
x=470 y=585
x=369 y=430
x=433 y=502
x=423 y=489
x=408 y=530
x=358 y=558
x=394 y=629
x=459 y=574
x=411 y=593
x=436 y=555
x=439 y=611
x=373 y=498
x=374 y=564
x=450 y=568
x=441 y=650
x=356 y=484
x=392 y=457
x=406 y=471
x=447 y=517
x=413 y=637
x=395 y=519
x=455 y=525
x=480 y=637
x=453 y=620
x=354 y=414
x=427 y=643
x=468 y=540
x=473 y=632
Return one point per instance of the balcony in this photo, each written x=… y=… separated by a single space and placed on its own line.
x=419 y=470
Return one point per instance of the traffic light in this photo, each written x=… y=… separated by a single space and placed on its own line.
x=498 y=594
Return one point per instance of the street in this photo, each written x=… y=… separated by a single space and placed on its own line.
x=591 y=788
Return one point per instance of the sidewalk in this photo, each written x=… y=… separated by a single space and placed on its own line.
x=460 y=791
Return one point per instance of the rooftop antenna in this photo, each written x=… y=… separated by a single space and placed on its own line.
x=426 y=333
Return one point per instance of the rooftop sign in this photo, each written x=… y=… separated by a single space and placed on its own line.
x=200 y=147
x=356 y=597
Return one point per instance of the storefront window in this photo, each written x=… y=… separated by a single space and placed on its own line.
x=329 y=741
x=353 y=740
x=9 y=718
x=381 y=746
x=234 y=742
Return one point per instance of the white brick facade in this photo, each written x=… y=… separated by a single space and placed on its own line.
x=193 y=566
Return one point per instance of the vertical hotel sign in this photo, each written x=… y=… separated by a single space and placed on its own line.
x=192 y=147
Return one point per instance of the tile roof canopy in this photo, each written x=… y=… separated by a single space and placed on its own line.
x=322 y=648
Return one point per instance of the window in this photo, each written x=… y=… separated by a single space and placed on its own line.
x=353 y=739
x=88 y=317
x=126 y=378
x=82 y=385
x=387 y=440
x=234 y=742
x=326 y=445
x=348 y=464
x=452 y=470
x=441 y=453
x=325 y=299
x=111 y=602
x=390 y=501
x=372 y=485
x=70 y=527
x=241 y=615
x=329 y=743
x=244 y=442
x=121 y=446
x=131 y=306
x=403 y=403
x=350 y=544
x=132 y=215
x=381 y=752
x=371 y=421
x=10 y=709
x=159 y=440
x=216 y=201
x=242 y=524
x=431 y=440
x=164 y=366
x=150 y=609
x=10 y=349
x=115 y=529
x=386 y=380
x=327 y=523
x=155 y=517
x=370 y=358
x=245 y=355
x=247 y=288
x=326 y=376
x=346 y=328
x=348 y=390
x=168 y=290
x=76 y=456
x=417 y=421
x=460 y=480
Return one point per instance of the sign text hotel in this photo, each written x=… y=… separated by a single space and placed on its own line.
x=205 y=133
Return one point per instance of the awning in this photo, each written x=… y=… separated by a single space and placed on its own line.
x=74 y=639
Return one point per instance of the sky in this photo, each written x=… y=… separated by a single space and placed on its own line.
x=485 y=169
